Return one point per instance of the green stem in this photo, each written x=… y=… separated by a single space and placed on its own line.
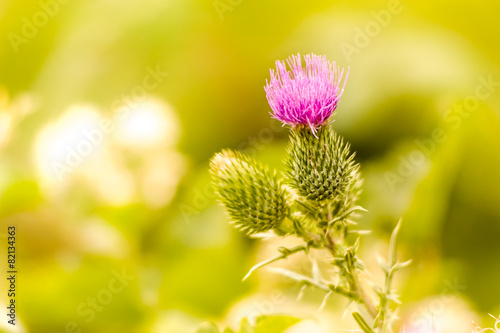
x=353 y=281
x=367 y=301
x=389 y=273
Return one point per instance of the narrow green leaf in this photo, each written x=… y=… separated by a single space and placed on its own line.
x=284 y=253
x=362 y=323
x=393 y=245
x=275 y=324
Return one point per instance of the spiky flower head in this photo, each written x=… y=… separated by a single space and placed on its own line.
x=252 y=195
x=322 y=168
x=305 y=95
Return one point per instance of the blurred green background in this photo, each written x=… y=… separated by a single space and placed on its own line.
x=110 y=110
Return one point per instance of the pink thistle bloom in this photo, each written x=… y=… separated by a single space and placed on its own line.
x=305 y=96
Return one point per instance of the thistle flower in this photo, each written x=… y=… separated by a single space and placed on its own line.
x=251 y=194
x=305 y=96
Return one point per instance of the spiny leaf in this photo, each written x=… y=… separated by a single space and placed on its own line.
x=401 y=265
x=285 y=252
x=300 y=278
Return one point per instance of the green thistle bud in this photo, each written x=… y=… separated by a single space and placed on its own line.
x=251 y=194
x=321 y=167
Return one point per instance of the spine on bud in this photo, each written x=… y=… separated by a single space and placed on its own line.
x=321 y=168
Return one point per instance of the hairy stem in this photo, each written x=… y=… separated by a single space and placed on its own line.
x=353 y=280
x=367 y=301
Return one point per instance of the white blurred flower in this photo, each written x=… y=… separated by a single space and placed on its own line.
x=148 y=124
x=62 y=145
x=99 y=237
x=439 y=314
x=86 y=149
